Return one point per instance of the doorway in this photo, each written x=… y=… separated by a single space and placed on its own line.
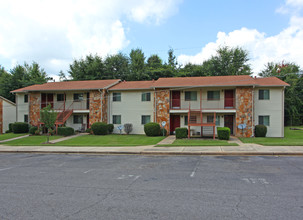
x=174 y=123
x=176 y=103
x=229 y=122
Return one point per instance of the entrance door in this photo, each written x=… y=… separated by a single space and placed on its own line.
x=175 y=99
x=229 y=122
x=50 y=99
x=229 y=99
x=174 y=123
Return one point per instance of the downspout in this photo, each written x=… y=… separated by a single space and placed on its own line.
x=253 y=115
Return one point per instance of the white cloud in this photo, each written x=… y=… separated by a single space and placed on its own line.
x=48 y=31
x=287 y=45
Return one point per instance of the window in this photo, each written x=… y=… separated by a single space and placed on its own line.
x=78 y=97
x=25 y=98
x=60 y=97
x=117 y=97
x=210 y=119
x=78 y=119
x=264 y=120
x=145 y=97
x=213 y=95
x=117 y=119
x=186 y=120
x=264 y=94
x=191 y=96
x=145 y=119
x=26 y=118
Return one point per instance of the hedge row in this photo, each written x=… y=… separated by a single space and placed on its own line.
x=101 y=128
x=223 y=133
x=20 y=127
x=66 y=131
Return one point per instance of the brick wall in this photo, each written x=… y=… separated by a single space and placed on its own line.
x=244 y=113
x=34 y=108
x=1 y=116
x=104 y=105
x=94 y=107
x=162 y=107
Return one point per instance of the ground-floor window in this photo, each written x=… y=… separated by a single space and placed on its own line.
x=264 y=120
x=210 y=119
x=117 y=119
x=78 y=119
x=145 y=119
x=26 y=118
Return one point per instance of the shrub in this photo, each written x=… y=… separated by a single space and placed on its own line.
x=260 y=131
x=33 y=130
x=128 y=128
x=89 y=130
x=20 y=127
x=110 y=128
x=163 y=130
x=65 y=131
x=223 y=133
x=99 y=128
x=181 y=133
x=10 y=127
x=152 y=129
x=8 y=131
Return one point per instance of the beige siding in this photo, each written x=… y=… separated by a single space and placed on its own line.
x=70 y=122
x=22 y=107
x=273 y=108
x=131 y=108
x=9 y=114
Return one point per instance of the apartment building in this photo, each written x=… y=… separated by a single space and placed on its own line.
x=199 y=103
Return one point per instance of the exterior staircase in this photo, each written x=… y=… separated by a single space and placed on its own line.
x=63 y=116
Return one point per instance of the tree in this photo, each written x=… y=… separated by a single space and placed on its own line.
x=289 y=73
x=62 y=76
x=117 y=66
x=172 y=60
x=137 y=65
x=48 y=116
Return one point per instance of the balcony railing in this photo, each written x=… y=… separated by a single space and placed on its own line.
x=60 y=106
x=225 y=103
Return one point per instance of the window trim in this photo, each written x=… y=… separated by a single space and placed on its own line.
x=217 y=119
x=190 y=99
x=263 y=94
x=213 y=99
x=147 y=96
x=81 y=116
x=79 y=99
x=142 y=116
x=114 y=121
x=25 y=116
x=115 y=95
x=263 y=120
x=58 y=96
x=25 y=98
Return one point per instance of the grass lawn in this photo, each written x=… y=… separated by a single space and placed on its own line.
x=111 y=140
x=30 y=141
x=199 y=142
x=292 y=138
x=9 y=136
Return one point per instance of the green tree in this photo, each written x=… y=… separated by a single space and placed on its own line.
x=137 y=65
x=48 y=116
x=172 y=60
x=117 y=66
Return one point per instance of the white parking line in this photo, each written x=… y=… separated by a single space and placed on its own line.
x=88 y=171
x=8 y=168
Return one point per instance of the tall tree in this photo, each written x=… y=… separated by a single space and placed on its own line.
x=48 y=116
x=117 y=66
x=172 y=60
x=137 y=65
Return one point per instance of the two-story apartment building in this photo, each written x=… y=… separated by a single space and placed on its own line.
x=7 y=114
x=199 y=103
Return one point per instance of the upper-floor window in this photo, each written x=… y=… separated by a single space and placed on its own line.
x=264 y=94
x=78 y=97
x=145 y=119
x=116 y=119
x=117 y=97
x=213 y=95
x=78 y=119
x=191 y=96
x=264 y=120
x=210 y=119
x=145 y=97
x=60 y=97
x=25 y=98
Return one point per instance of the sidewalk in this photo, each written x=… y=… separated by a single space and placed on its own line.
x=152 y=150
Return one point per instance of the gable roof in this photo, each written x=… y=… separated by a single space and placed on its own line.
x=4 y=99
x=209 y=81
x=70 y=85
x=133 y=85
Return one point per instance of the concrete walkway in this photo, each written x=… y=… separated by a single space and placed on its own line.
x=168 y=140
x=67 y=138
x=16 y=138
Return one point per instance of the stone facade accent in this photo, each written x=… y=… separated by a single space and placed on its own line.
x=162 y=107
x=34 y=108
x=104 y=105
x=244 y=107
x=94 y=107
x=1 y=116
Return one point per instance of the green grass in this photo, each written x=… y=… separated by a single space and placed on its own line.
x=30 y=141
x=199 y=142
x=111 y=140
x=9 y=136
x=292 y=138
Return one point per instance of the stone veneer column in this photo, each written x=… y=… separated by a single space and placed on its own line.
x=34 y=108
x=244 y=113
x=104 y=105
x=1 y=116
x=94 y=107
x=162 y=107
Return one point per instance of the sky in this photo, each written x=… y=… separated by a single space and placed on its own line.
x=54 y=33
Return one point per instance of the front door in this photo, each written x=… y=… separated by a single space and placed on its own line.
x=175 y=99
x=229 y=99
x=229 y=122
x=174 y=123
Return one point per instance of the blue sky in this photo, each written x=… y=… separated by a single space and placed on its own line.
x=53 y=33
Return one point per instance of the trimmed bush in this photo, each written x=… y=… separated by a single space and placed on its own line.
x=33 y=130
x=181 y=133
x=110 y=128
x=260 y=131
x=152 y=129
x=66 y=131
x=99 y=128
x=161 y=132
x=128 y=128
x=20 y=127
x=8 y=131
x=10 y=127
x=89 y=130
x=223 y=133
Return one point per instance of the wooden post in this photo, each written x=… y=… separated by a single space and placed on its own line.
x=214 y=127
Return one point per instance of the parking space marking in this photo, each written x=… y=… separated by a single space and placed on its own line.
x=88 y=171
x=255 y=180
x=133 y=177
x=8 y=168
